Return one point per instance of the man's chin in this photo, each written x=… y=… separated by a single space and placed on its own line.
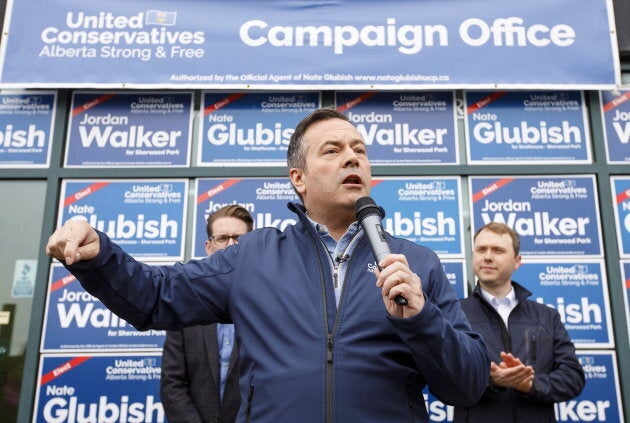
x=353 y=197
x=356 y=192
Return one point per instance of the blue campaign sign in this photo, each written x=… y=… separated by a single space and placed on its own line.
x=615 y=107
x=75 y=321
x=145 y=217
x=625 y=280
x=130 y=129
x=104 y=388
x=600 y=401
x=437 y=410
x=454 y=270
x=553 y=215
x=26 y=129
x=426 y=211
x=265 y=198
x=527 y=127
x=579 y=291
x=250 y=128
x=311 y=45
x=414 y=127
x=621 y=197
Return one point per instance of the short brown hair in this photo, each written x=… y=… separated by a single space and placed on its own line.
x=502 y=228
x=232 y=210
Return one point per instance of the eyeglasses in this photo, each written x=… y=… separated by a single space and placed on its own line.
x=223 y=240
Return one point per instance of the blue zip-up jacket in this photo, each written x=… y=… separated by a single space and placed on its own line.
x=303 y=359
x=538 y=338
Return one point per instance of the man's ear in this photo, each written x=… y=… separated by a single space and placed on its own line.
x=518 y=262
x=208 y=246
x=297 y=179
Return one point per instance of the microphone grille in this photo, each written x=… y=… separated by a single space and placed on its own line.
x=366 y=206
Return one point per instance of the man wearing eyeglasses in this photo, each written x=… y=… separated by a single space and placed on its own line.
x=200 y=363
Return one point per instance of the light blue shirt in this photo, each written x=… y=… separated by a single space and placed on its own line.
x=339 y=251
x=225 y=338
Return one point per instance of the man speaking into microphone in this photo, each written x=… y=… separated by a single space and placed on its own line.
x=323 y=337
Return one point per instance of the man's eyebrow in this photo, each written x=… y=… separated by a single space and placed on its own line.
x=337 y=142
x=330 y=142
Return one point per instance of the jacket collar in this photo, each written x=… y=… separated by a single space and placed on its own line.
x=520 y=291
x=300 y=211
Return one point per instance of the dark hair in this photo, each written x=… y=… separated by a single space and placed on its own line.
x=296 y=154
x=233 y=210
x=502 y=228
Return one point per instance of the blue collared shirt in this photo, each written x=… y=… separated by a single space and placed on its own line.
x=225 y=338
x=339 y=251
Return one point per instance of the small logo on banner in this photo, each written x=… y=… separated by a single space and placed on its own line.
x=581 y=269
x=165 y=187
x=585 y=359
x=160 y=17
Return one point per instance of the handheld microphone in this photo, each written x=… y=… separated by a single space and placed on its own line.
x=369 y=216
